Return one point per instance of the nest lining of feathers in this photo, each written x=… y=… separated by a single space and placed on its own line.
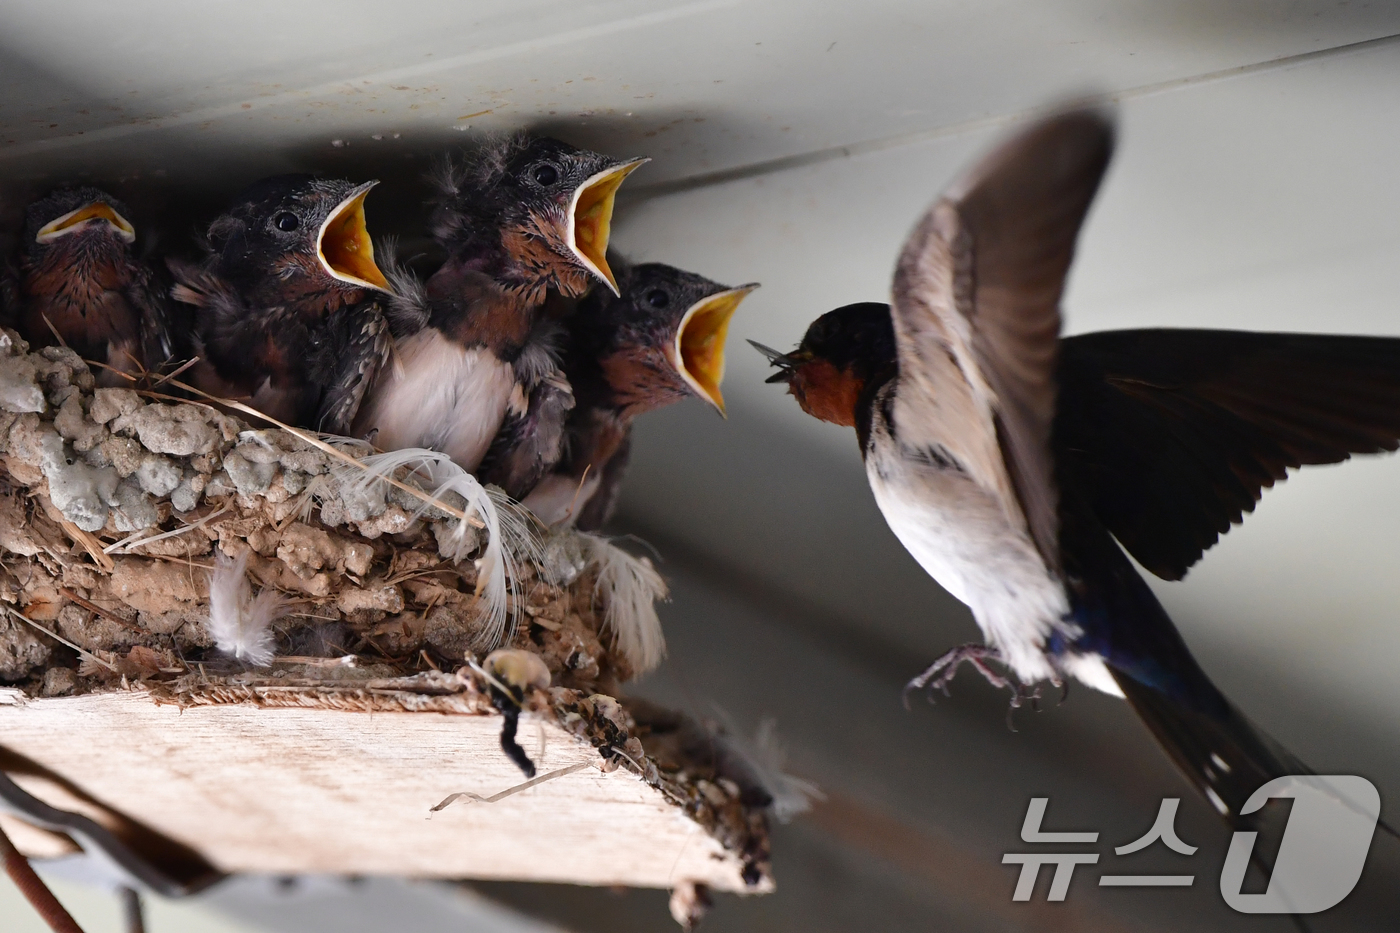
x=164 y=546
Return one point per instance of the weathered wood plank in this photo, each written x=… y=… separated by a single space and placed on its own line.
x=315 y=790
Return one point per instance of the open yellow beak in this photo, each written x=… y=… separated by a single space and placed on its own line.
x=699 y=349
x=344 y=246
x=590 y=218
x=74 y=221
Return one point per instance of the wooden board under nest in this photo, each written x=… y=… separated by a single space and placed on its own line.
x=329 y=791
x=116 y=703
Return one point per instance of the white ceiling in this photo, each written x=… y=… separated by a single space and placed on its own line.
x=702 y=86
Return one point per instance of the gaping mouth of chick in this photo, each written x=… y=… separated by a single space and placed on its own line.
x=699 y=349
x=344 y=246
x=84 y=217
x=590 y=218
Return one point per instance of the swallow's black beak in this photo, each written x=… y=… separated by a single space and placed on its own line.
x=783 y=361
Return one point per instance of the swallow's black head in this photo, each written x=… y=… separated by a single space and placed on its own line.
x=540 y=208
x=660 y=339
x=300 y=230
x=73 y=218
x=841 y=355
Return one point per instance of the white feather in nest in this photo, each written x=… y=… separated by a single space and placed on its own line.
x=352 y=446
x=319 y=488
x=239 y=622
x=765 y=758
x=510 y=529
x=629 y=588
x=791 y=795
x=323 y=486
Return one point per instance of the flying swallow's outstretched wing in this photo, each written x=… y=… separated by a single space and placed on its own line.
x=977 y=319
x=1172 y=435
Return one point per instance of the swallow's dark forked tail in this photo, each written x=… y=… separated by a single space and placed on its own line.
x=1224 y=755
x=1164 y=439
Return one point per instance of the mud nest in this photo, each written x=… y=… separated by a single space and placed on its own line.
x=116 y=504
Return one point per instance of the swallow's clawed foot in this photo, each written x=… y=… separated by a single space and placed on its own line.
x=941 y=673
x=1022 y=694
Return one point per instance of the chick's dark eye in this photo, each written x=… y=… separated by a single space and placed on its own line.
x=545 y=175
x=658 y=298
x=286 y=221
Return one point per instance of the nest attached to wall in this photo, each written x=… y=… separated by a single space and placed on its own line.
x=118 y=504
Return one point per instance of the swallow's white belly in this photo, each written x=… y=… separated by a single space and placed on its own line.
x=961 y=536
x=440 y=395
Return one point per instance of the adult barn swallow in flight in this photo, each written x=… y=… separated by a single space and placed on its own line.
x=1007 y=461
x=660 y=340
x=80 y=282
x=289 y=302
x=525 y=216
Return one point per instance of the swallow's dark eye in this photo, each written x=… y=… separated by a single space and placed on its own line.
x=286 y=221
x=658 y=298
x=545 y=175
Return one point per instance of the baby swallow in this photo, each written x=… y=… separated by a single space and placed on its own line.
x=289 y=302
x=526 y=216
x=659 y=341
x=1007 y=461
x=80 y=282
